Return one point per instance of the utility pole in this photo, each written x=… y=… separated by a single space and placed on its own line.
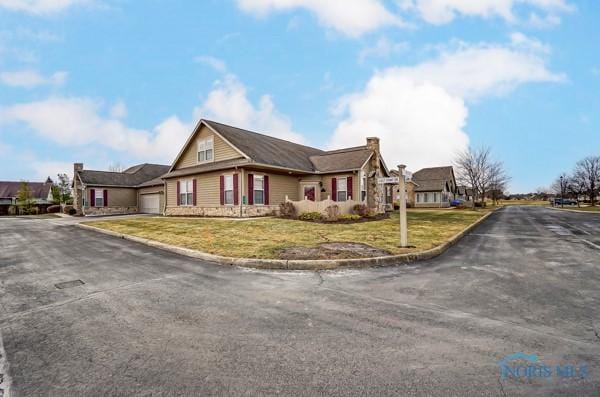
x=562 y=193
x=402 y=205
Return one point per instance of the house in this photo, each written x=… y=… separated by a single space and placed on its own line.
x=228 y=171
x=137 y=189
x=464 y=193
x=41 y=193
x=435 y=187
x=410 y=187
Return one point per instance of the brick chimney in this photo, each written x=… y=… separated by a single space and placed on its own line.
x=375 y=193
x=77 y=192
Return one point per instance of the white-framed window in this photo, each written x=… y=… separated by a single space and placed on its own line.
x=342 y=189
x=363 y=186
x=205 y=150
x=436 y=198
x=99 y=193
x=186 y=192
x=419 y=197
x=228 y=190
x=259 y=189
x=425 y=197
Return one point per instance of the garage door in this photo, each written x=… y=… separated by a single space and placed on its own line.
x=150 y=204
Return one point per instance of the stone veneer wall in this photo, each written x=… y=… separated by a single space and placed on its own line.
x=225 y=211
x=110 y=210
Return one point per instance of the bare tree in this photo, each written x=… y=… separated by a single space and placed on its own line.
x=587 y=173
x=116 y=167
x=560 y=186
x=477 y=169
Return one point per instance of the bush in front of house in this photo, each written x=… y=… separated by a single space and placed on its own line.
x=361 y=210
x=349 y=217
x=69 y=210
x=53 y=209
x=310 y=216
x=332 y=213
x=287 y=210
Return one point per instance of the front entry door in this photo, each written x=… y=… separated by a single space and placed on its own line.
x=309 y=193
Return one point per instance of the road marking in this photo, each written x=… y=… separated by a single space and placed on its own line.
x=561 y=231
x=4 y=378
x=591 y=244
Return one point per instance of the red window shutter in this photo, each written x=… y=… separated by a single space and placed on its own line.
x=105 y=197
x=236 y=190
x=266 y=188
x=92 y=197
x=194 y=191
x=334 y=189
x=349 y=187
x=222 y=189
x=250 y=189
x=178 y=191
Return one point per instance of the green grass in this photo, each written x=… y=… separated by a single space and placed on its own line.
x=523 y=202
x=264 y=238
x=595 y=208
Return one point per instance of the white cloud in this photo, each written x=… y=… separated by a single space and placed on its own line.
x=383 y=48
x=40 y=7
x=444 y=11
x=228 y=103
x=32 y=78
x=45 y=169
x=420 y=112
x=80 y=122
x=118 y=110
x=473 y=71
x=217 y=64
x=350 y=17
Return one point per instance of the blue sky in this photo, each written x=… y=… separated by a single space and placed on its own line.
x=120 y=81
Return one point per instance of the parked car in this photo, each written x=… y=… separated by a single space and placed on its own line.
x=456 y=202
x=564 y=201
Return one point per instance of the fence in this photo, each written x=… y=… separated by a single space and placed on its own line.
x=345 y=207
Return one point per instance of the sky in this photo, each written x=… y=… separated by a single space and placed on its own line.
x=108 y=82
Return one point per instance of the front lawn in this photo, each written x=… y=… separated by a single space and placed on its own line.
x=265 y=238
x=595 y=208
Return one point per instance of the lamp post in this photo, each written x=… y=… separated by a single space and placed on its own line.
x=402 y=205
x=562 y=190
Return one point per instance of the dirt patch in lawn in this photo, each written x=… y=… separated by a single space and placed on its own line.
x=332 y=251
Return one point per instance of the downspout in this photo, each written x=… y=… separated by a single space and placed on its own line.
x=241 y=192
x=164 y=212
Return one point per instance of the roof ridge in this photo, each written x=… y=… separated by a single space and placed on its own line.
x=343 y=150
x=262 y=134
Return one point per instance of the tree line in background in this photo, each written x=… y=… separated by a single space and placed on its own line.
x=477 y=169
x=582 y=184
x=61 y=195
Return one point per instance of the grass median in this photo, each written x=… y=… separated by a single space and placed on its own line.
x=267 y=237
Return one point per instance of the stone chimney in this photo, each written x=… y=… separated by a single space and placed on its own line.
x=77 y=192
x=375 y=191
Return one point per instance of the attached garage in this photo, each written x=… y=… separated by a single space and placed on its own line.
x=150 y=203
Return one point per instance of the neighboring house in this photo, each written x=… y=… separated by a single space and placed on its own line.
x=410 y=187
x=137 y=189
x=464 y=193
x=435 y=187
x=41 y=192
x=228 y=171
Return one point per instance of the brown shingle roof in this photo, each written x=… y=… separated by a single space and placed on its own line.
x=339 y=160
x=264 y=149
x=131 y=177
x=39 y=190
x=432 y=179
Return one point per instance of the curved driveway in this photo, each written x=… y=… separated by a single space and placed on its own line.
x=148 y=322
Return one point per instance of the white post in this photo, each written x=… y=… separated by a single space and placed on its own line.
x=402 y=205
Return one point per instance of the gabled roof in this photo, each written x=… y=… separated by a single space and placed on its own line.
x=131 y=177
x=339 y=160
x=433 y=179
x=264 y=150
x=39 y=190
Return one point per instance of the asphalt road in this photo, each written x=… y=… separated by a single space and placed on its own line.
x=148 y=322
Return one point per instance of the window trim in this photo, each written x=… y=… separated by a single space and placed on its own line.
x=96 y=192
x=254 y=189
x=225 y=190
x=203 y=143
x=338 y=190
x=183 y=186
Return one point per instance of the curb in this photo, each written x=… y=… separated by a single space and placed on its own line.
x=300 y=264
x=570 y=210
